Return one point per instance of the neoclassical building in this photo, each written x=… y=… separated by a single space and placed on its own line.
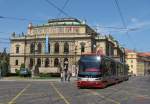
x=139 y=62
x=58 y=42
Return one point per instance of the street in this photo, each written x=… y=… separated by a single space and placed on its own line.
x=134 y=91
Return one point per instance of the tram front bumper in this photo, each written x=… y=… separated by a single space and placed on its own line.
x=89 y=84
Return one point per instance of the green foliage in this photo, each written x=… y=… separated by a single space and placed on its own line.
x=4 y=63
x=48 y=75
x=44 y=75
x=17 y=71
x=4 y=68
x=22 y=65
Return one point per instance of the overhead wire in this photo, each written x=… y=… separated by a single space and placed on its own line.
x=20 y=18
x=5 y=32
x=59 y=9
x=120 y=13
x=65 y=4
x=123 y=20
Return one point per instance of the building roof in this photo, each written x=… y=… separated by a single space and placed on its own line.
x=64 y=20
x=144 y=54
x=130 y=51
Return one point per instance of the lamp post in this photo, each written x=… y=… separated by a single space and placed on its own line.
x=25 y=43
x=34 y=66
x=94 y=48
x=34 y=51
x=75 y=58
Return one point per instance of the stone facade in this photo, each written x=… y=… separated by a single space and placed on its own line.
x=68 y=38
x=139 y=63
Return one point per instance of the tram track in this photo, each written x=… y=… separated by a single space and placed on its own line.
x=104 y=97
x=131 y=93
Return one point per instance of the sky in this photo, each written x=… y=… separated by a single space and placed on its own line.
x=99 y=14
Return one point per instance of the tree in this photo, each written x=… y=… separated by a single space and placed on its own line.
x=4 y=62
x=22 y=65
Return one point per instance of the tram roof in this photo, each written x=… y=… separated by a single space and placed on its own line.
x=95 y=54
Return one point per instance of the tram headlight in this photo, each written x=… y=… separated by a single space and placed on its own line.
x=98 y=58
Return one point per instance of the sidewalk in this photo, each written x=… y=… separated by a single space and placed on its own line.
x=34 y=79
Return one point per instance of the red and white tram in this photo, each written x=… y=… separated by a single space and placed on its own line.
x=100 y=71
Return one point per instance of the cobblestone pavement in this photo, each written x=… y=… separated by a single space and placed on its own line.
x=134 y=91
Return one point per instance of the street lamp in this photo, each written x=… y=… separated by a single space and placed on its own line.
x=75 y=59
x=94 y=48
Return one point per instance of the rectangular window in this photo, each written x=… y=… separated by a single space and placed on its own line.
x=68 y=29
x=17 y=49
x=60 y=30
x=82 y=48
x=76 y=29
x=16 y=62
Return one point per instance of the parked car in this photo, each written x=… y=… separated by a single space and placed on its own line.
x=25 y=72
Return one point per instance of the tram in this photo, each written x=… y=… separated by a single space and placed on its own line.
x=99 y=71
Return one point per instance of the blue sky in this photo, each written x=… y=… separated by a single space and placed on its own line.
x=101 y=13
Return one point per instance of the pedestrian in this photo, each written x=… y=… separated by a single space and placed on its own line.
x=65 y=72
x=61 y=71
x=61 y=75
x=69 y=74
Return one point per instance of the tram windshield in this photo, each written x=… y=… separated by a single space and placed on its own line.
x=89 y=64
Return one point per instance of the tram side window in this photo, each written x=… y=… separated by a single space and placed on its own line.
x=125 y=70
x=118 y=69
x=108 y=67
x=121 y=71
x=103 y=67
x=113 y=68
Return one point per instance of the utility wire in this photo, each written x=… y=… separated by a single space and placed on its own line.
x=4 y=32
x=117 y=28
x=123 y=20
x=65 y=4
x=20 y=19
x=59 y=9
x=1 y=38
x=120 y=13
x=4 y=42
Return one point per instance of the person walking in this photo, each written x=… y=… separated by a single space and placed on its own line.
x=69 y=74
x=61 y=75
x=65 y=72
x=61 y=72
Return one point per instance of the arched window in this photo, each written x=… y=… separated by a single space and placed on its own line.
x=39 y=47
x=39 y=62
x=56 y=62
x=56 y=47
x=49 y=47
x=32 y=47
x=82 y=47
x=16 y=62
x=66 y=47
x=46 y=62
x=31 y=62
